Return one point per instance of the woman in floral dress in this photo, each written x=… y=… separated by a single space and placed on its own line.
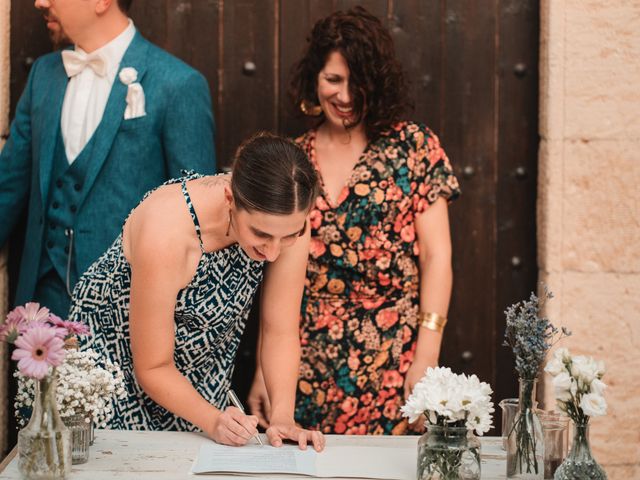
x=379 y=274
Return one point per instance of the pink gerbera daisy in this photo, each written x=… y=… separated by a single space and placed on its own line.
x=37 y=349
x=13 y=327
x=31 y=312
x=69 y=328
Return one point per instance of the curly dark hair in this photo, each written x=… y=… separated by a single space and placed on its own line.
x=376 y=79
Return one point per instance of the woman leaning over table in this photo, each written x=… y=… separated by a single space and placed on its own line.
x=379 y=274
x=168 y=301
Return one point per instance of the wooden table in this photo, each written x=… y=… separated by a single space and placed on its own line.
x=119 y=454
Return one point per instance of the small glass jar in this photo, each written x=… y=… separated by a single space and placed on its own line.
x=556 y=439
x=80 y=427
x=448 y=453
x=509 y=408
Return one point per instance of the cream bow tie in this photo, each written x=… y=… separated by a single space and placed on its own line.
x=75 y=62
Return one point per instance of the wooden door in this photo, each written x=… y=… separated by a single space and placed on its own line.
x=473 y=69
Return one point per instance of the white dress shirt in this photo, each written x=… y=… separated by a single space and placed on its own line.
x=87 y=93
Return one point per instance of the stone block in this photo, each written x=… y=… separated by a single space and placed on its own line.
x=602 y=309
x=551 y=69
x=622 y=472
x=601 y=69
x=595 y=116
x=601 y=206
x=549 y=209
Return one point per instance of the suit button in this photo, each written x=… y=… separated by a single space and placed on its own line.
x=59 y=183
x=66 y=249
x=77 y=187
x=55 y=205
x=74 y=209
x=49 y=244
x=52 y=226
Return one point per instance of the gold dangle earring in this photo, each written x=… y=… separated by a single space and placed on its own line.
x=310 y=109
x=228 y=225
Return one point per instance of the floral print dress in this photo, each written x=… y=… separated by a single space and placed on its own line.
x=361 y=299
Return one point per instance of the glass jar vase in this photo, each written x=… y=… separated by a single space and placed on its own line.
x=44 y=445
x=580 y=464
x=525 y=443
x=448 y=453
x=80 y=427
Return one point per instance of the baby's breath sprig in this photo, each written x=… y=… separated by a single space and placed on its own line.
x=87 y=386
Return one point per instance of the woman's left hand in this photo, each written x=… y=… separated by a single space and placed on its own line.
x=279 y=431
x=414 y=374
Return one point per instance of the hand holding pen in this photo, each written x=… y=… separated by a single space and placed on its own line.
x=233 y=427
x=233 y=398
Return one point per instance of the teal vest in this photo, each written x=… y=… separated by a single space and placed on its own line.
x=64 y=195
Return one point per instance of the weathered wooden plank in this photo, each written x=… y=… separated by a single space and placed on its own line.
x=248 y=74
x=517 y=77
x=468 y=135
x=150 y=18
x=416 y=26
x=169 y=455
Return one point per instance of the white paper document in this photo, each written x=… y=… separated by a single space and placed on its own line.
x=334 y=461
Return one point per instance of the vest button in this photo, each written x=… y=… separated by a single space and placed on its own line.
x=66 y=249
x=77 y=187
x=50 y=244
x=59 y=183
x=74 y=209
x=55 y=205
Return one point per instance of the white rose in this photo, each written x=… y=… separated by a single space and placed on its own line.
x=554 y=366
x=584 y=368
x=562 y=386
x=598 y=386
x=593 y=405
x=562 y=354
x=128 y=75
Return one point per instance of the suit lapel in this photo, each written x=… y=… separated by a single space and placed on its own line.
x=105 y=134
x=56 y=82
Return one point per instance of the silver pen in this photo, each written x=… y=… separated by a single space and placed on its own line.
x=233 y=398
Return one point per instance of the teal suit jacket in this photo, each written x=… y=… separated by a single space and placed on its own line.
x=129 y=157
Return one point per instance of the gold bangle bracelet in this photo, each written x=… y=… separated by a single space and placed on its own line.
x=433 y=321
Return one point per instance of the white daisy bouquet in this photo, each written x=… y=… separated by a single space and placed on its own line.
x=87 y=386
x=578 y=385
x=449 y=399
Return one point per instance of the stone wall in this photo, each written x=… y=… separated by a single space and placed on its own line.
x=4 y=126
x=589 y=202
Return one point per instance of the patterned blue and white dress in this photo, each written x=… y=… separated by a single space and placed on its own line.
x=210 y=316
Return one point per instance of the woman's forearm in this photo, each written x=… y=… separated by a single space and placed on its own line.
x=436 y=279
x=280 y=363
x=166 y=386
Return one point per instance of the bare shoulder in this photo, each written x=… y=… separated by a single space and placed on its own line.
x=160 y=234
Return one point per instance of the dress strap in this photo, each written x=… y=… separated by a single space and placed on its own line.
x=192 y=211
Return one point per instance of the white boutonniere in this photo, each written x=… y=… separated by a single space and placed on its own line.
x=135 y=93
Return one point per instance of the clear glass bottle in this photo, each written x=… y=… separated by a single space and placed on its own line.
x=448 y=453
x=44 y=445
x=580 y=464
x=525 y=444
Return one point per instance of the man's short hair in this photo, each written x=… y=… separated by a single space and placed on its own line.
x=124 y=5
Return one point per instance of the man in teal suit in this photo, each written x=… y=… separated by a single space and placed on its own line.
x=96 y=127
